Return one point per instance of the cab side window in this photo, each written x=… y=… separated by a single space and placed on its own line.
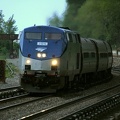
x=72 y=38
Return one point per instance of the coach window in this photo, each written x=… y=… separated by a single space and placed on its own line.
x=32 y=36
x=92 y=55
x=53 y=36
x=86 y=55
x=110 y=54
x=103 y=55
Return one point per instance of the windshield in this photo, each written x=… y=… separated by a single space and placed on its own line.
x=53 y=36
x=33 y=36
x=38 y=36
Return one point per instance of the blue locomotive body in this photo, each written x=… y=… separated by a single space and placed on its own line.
x=34 y=40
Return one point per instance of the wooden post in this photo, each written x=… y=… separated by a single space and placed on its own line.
x=2 y=70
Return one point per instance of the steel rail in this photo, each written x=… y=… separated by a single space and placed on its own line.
x=94 y=110
x=64 y=105
x=23 y=103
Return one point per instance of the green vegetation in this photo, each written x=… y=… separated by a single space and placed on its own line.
x=98 y=19
x=7 y=27
x=10 y=70
x=2 y=57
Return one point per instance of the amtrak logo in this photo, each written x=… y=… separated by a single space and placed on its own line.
x=40 y=49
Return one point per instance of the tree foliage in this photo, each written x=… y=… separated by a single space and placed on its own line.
x=6 y=27
x=55 y=20
x=1 y=21
x=72 y=12
x=9 y=26
x=99 y=19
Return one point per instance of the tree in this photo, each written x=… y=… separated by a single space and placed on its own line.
x=71 y=13
x=1 y=22
x=99 y=19
x=6 y=27
x=55 y=20
x=111 y=20
x=9 y=26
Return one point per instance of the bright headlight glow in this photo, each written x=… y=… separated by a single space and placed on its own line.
x=27 y=61
x=54 y=62
x=43 y=54
x=39 y=55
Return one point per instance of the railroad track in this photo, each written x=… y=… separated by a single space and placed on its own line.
x=107 y=109
x=8 y=103
x=95 y=110
x=16 y=101
x=10 y=88
x=11 y=92
x=73 y=105
x=13 y=98
x=55 y=105
x=116 y=70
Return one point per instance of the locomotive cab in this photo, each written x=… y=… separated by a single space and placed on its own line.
x=47 y=55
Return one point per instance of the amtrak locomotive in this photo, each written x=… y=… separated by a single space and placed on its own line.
x=53 y=58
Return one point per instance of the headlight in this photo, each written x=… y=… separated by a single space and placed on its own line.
x=43 y=54
x=39 y=55
x=28 y=61
x=54 y=62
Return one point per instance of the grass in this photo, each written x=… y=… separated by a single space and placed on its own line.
x=2 y=57
x=10 y=70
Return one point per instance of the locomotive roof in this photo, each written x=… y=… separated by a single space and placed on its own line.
x=64 y=29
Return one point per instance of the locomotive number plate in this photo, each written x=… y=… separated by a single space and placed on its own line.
x=42 y=43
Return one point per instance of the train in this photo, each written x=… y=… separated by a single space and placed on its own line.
x=58 y=58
